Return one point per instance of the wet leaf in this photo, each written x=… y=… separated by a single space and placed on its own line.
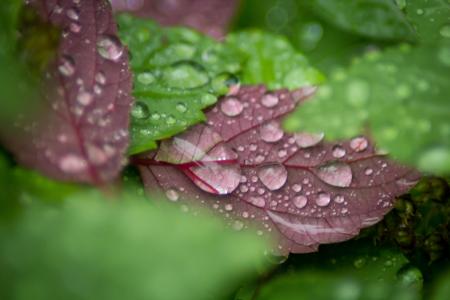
x=178 y=72
x=211 y=17
x=272 y=60
x=92 y=247
x=404 y=105
x=292 y=187
x=81 y=131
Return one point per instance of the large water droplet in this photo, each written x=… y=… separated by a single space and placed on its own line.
x=140 y=110
x=338 y=151
x=216 y=178
x=273 y=176
x=300 y=201
x=72 y=163
x=185 y=75
x=306 y=140
x=271 y=132
x=172 y=195
x=359 y=144
x=336 y=174
x=269 y=100
x=231 y=107
x=109 y=47
x=323 y=199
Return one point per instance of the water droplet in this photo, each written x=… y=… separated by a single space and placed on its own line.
x=297 y=187
x=208 y=99
x=100 y=78
x=269 y=100
x=238 y=225
x=84 y=98
x=140 y=110
x=338 y=151
x=306 y=140
x=75 y=27
x=172 y=195
x=410 y=276
x=359 y=262
x=271 y=132
x=146 y=78
x=368 y=171
x=228 y=207
x=336 y=174
x=339 y=199
x=359 y=144
x=185 y=75
x=73 y=14
x=110 y=48
x=419 y=11
x=300 y=201
x=231 y=107
x=323 y=199
x=72 y=163
x=216 y=178
x=67 y=66
x=257 y=201
x=181 y=107
x=171 y=120
x=273 y=176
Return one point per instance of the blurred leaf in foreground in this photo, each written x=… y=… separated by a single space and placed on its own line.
x=442 y=288
x=94 y=249
x=404 y=105
x=353 y=270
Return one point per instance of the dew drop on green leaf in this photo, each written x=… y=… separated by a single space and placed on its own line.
x=140 y=111
x=185 y=75
x=146 y=78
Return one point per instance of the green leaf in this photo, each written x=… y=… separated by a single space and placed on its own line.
x=353 y=270
x=272 y=60
x=178 y=72
x=400 y=96
x=431 y=18
x=378 y=19
x=325 y=45
x=92 y=248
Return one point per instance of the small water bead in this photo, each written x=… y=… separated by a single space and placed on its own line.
x=300 y=201
x=72 y=163
x=228 y=207
x=419 y=11
x=84 y=98
x=140 y=110
x=338 y=151
x=67 y=66
x=75 y=27
x=257 y=201
x=368 y=171
x=323 y=199
x=282 y=153
x=273 y=176
x=146 y=78
x=231 y=107
x=170 y=120
x=181 y=107
x=73 y=14
x=253 y=147
x=100 y=78
x=271 y=132
x=238 y=225
x=359 y=144
x=269 y=100
x=110 y=48
x=297 y=187
x=172 y=195
x=336 y=174
x=339 y=199
x=306 y=140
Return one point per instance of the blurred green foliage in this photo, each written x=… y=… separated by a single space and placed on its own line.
x=97 y=247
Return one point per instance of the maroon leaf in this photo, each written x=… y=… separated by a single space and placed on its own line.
x=211 y=17
x=300 y=190
x=82 y=131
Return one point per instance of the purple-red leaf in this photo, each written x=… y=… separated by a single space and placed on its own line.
x=81 y=133
x=211 y=17
x=295 y=187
